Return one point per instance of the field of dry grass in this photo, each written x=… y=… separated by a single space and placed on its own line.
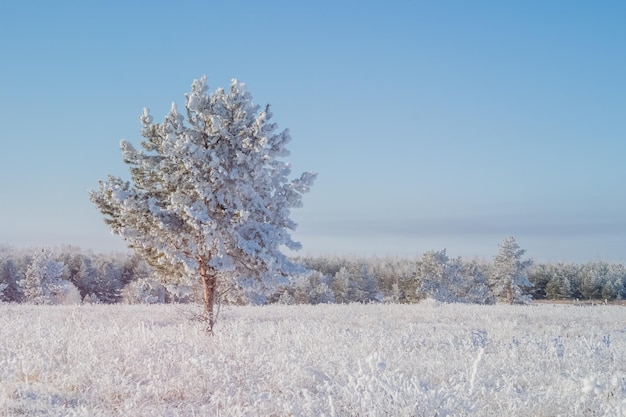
x=429 y=359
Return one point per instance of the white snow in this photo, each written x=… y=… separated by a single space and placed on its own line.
x=335 y=360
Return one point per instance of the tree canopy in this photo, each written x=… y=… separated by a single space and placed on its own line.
x=209 y=194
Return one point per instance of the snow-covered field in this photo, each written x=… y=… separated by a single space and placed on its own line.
x=335 y=360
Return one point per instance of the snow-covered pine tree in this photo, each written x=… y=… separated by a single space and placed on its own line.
x=341 y=285
x=9 y=277
x=437 y=277
x=369 y=284
x=558 y=287
x=42 y=279
x=210 y=193
x=107 y=280
x=473 y=285
x=450 y=280
x=593 y=279
x=82 y=273
x=509 y=273
x=318 y=290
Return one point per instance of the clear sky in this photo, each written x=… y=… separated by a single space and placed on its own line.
x=432 y=124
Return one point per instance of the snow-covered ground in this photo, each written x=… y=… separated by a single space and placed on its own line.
x=335 y=360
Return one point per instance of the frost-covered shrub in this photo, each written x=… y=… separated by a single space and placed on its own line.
x=604 y=396
x=65 y=293
x=91 y=299
x=286 y=298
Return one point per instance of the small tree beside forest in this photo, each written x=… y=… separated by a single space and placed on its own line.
x=509 y=274
x=209 y=195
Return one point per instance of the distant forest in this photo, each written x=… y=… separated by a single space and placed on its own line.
x=71 y=275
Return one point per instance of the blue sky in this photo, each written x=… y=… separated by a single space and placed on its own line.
x=432 y=124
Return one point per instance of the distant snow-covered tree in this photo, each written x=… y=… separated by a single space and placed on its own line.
x=509 y=275
x=558 y=287
x=209 y=194
x=369 y=285
x=42 y=271
x=286 y=298
x=82 y=273
x=107 y=280
x=179 y=293
x=43 y=283
x=3 y=286
x=355 y=290
x=594 y=277
x=144 y=291
x=473 y=287
x=340 y=285
x=573 y=273
x=435 y=276
x=618 y=274
x=9 y=277
x=319 y=291
x=540 y=275
x=451 y=280
x=609 y=291
x=601 y=279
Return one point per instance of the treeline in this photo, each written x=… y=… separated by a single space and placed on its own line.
x=40 y=275
x=434 y=275
x=591 y=281
x=71 y=275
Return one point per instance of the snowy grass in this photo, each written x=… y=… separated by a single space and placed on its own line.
x=357 y=360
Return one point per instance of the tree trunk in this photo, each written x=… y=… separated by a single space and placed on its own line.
x=509 y=294
x=209 y=284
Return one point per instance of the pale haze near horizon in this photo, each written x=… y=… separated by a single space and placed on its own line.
x=431 y=125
